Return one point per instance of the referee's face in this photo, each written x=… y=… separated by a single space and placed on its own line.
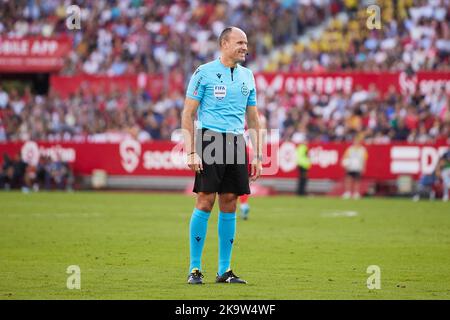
x=235 y=47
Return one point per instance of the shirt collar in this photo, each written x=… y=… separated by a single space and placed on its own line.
x=224 y=66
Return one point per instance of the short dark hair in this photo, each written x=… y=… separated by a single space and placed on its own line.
x=224 y=35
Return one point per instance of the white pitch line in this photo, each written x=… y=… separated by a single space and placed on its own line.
x=334 y=214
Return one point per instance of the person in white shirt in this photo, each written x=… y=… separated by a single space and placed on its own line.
x=354 y=162
x=4 y=98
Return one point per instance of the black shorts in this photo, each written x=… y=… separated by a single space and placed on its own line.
x=225 y=163
x=354 y=174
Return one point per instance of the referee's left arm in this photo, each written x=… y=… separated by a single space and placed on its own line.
x=254 y=129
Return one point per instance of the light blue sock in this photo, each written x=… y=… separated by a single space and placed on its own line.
x=227 y=230
x=197 y=235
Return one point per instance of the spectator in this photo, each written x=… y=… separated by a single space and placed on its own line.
x=354 y=161
x=303 y=164
x=61 y=175
x=19 y=168
x=6 y=173
x=428 y=182
x=4 y=98
x=400 y=132
x=426 y=186
x=43 y=177
x=443 y=171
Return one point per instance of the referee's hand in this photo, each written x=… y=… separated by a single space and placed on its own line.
x=195 y=163
x=256 y=169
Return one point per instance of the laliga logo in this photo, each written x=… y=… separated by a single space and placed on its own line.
x=30 y=153
x=130 y=151
x=407 y=84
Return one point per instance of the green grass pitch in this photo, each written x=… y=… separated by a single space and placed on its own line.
x=135 y=246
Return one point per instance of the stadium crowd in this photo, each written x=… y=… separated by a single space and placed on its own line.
x=414 y=35
x=319 y=117
x=47 y=174
x=130 y=36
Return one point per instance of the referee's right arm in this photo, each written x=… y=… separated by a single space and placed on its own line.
x=194 y=95
x=187 y=124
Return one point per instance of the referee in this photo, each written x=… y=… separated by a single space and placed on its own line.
x=221 y=93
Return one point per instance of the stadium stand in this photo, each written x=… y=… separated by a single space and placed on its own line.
x=153 y=36
x=170 y=39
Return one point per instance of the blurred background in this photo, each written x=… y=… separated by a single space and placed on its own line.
x=352 y=108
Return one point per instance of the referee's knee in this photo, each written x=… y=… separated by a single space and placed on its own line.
x=205 y=202
x=204 y=207
x=227 y=202
x=231 y=207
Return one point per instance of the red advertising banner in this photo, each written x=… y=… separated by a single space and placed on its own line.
x=33 y=54
x=303 y=83
x=328 y=83
x=162 y=158
x=101 y=84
